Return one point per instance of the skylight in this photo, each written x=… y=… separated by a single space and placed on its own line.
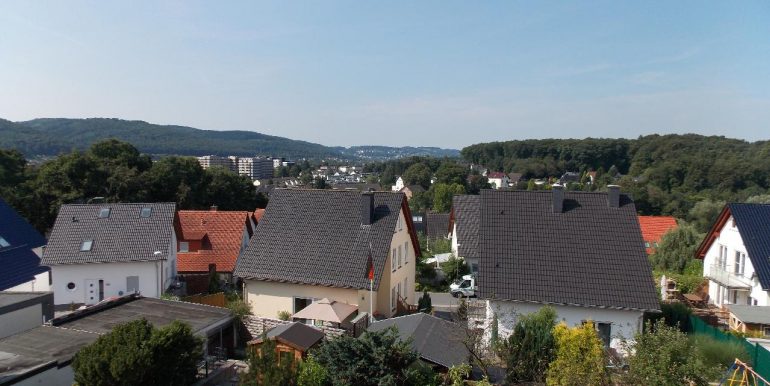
x=4 y=243
x=86 y=246
x=146 y=212
x=104 y=213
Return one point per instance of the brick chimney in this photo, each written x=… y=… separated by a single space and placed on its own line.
x=557 y=193
x=613 y=196
x=367 y=208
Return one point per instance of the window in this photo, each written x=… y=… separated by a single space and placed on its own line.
x=406 y=252
x=767 y=331
x=184 y=246
x=393 y=299
x=71 y=286
x=393 y=260
x=406 y=291
x=740 y=262
x=646 y=244
x=4 y=243
x=86 y=245
x=104 y=213
x=399 y=256
x=146 y=212
x=400 y=222
x=605 y=332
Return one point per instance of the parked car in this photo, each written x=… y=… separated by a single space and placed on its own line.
x=463 y=288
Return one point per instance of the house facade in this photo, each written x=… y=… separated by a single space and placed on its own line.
x=579 y=252
x=315 y=244
x=98 y=251
x=498 y=180
x=734 y=254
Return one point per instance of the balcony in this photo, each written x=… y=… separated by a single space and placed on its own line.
x=727 y=277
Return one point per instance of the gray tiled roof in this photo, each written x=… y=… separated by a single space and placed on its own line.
x=316 y=237
x=753 y=222
x=589 y=254
x=298 y=334
x=123 y=236
x=436 y=340
x=436 y=225
x=465 y=210
x=751 y=314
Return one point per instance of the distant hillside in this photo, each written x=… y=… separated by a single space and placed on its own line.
x=53 y=136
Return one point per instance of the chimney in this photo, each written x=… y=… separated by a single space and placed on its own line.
x=213 y=208
x=557 y=193
x=613 y=196
x=367 y=208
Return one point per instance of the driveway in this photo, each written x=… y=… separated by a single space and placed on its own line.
x=441 y=300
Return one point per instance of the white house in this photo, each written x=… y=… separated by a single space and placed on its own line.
x=580 y=252
x=20 y=249
x=735 y=256
x=103 y=250
x=399 y=185
x=498 y=180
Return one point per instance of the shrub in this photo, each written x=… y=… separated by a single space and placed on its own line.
x=266 y=368
x=580 y=357
x=719 y=353
x=311 y=373
x=458 y=373
x=284 y=315
x=674 y=315
x=454 y=268
x=663 y=355
x=425 y=304
x=530 y=348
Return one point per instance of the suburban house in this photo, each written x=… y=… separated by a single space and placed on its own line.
x=653 y=229
x=515 y=178
x=498 y=180
x=464 y=225
x=43 y=355
x=750 y=320
x=20 y=249
x=399 y=185
x=316 y=244
x=580 y=252
x=439 y=342
x=436 y=226
x=211 y=240
x=98 y=251
x=735 y=256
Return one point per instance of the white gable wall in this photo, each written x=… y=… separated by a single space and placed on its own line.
x=730 y=237
x=113 y=274
x=625 y=323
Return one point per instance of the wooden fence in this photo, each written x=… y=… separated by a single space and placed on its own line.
x=217 y=300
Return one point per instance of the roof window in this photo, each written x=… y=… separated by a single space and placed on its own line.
x=86 y=245
x=104 y=213
x=4 y=243
x=146 y=212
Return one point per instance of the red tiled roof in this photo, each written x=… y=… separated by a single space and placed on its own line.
x=258 y=214
x=496 y=175
x=653 y=229
x=224 y=233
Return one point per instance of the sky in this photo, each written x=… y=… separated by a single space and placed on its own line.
x=427 y=73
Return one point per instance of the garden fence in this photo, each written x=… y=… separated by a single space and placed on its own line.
x=758 y=355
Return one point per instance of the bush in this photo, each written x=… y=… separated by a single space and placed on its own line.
x=311 y=373
x=266 y=368
x=136 y=353
x=454 y=268
x=664 y=355
x=674 y=315
x=284 y=315
x=580 y=357
x=718 y=353
x=425 y=304
x=530 y=348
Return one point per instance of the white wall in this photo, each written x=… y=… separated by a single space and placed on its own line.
x=21 y=320
x=113 y=274
x=625 y=324
x=267 y=298
x=730 y=237
x=38 y=284
x=64 y=376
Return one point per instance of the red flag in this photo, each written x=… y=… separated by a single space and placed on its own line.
x=370 y=266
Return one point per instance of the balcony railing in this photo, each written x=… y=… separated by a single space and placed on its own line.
x=727 y=277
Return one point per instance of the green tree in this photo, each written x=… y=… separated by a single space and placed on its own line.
x=178 y=179
x=677 y=248
x=449 y=172
x=267 y=368
x=442 y=196
x=454 y=268
x=136 y=353
x=579 y=358
x=311 y=373
x=704 y=213
x=417 y=174
x=759 y=199
x=664 y=355
x=373 y=359
x=229 y=191
x=425 y=304
x=531 y=346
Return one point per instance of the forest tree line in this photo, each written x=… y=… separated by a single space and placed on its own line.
x=114 y=171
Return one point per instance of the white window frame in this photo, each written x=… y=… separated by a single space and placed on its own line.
x=393 y=260
x=86 y=245
x=4 y=243
x=393 y=299
x=184 y=246
x=399 y=256
x=740 y=263
x=406 y=252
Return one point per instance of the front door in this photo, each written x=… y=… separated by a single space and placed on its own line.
x=92 y=292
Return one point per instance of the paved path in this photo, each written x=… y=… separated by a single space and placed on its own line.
x=440 y=300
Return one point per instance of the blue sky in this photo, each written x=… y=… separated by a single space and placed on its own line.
x=440 y=73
